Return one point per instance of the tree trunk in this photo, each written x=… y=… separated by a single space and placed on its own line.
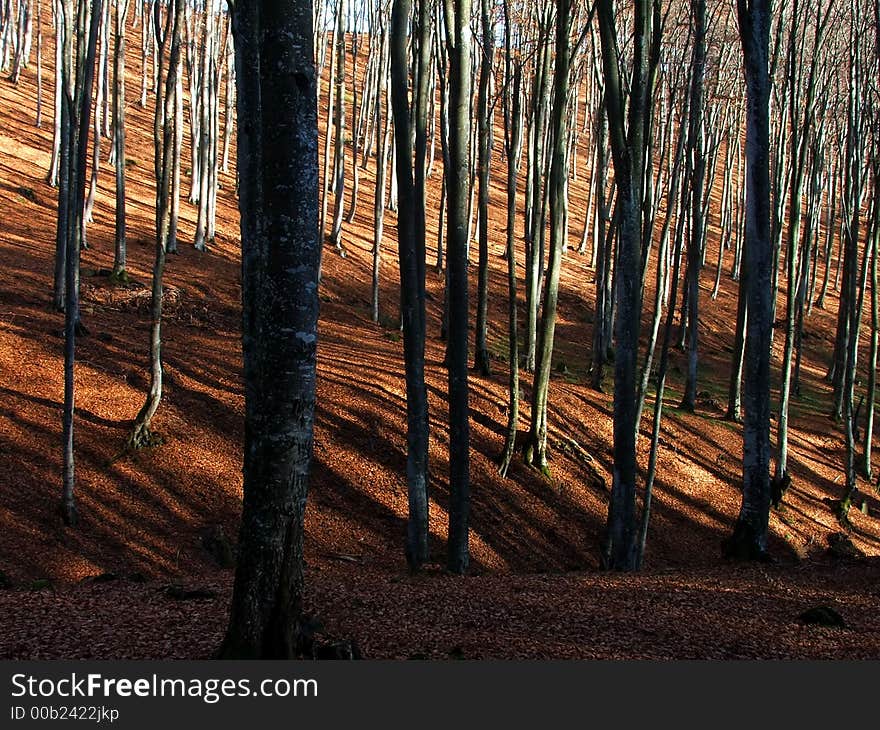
x=119 y=273
x=278 y=165
x=382 y=130
x=458 y=37
x=163 y=140
x=512 y=147
x=535 y=220
x=749 y=539
x=79 y=108
x=481 y=349
x=536 y=445
x=412 y=296
x=339 y=132
x=697 y=170
x=628 y=145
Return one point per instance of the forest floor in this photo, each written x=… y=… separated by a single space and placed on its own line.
x=135 y=579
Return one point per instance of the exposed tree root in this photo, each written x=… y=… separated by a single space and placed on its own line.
x=142 y=437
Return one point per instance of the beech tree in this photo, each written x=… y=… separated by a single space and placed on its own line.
x=382 y=131
x=205 y=140
x=339 y=129
x=535 y=219
x=802 y=113
x=163 y=150
x=457 y=14
x=79 y=40
x=411 y=246
x=278 y=166
x=536 y=445
x=849 y=321
x=627 y=132
x=749 y=538
x=484 y=111
x=119 y=258
x=512 y=109
x=697 y=171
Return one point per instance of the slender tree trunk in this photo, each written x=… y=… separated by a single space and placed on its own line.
x=64 y=94
x=800 y=128
x=412 y=296
x=458 y=36
x=734 y=391
x=602 y=245
x=325 y=181
x=829 y=235
x=675 y=180
x=163 y=140
x=103 y=31
x=849 y=294
x=658 y=408
x=79 y=109
x=57 y=109
x=119 y=257
x=535 y=219
x=512 y=147
x=382 y=143
x=39 y=120
x=355 y=130
x=875 y=323
x=536 y=445
x=339 y=132
x=481 y=349
x=697 y=170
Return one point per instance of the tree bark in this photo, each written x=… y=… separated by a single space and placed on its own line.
x=278 y=164
x=79 y=108
x=163 y=141
x=628 y=145
x=512 y=148
x=697 y=171
x=749 y=538
x=481 y=348
x=458 y=36
x=119 y=273
x=412 y=295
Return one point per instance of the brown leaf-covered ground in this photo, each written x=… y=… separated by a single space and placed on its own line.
x=534 y=589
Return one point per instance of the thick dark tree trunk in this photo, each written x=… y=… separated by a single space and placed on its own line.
x=278 y=167
x=412 y=295
x=749 y=539
x=626 y=123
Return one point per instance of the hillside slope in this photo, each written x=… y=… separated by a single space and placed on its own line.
x=534 y=540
